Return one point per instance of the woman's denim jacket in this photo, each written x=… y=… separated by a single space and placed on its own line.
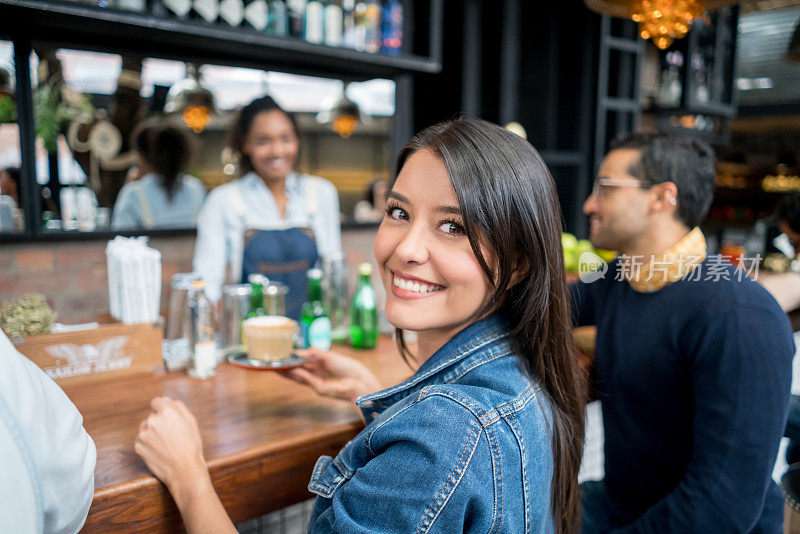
x=463 y=445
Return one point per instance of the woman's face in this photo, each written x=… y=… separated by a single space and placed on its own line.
x=433 y=280
x=272 y=145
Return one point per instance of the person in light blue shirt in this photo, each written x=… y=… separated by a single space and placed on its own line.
x=47 y=458
x=269 y=197
x=486 y=435
x=163 y=197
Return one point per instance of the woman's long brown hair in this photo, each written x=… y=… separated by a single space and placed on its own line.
x=510 y=206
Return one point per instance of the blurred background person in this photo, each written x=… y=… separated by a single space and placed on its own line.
x=788 y=216
x=9 y=184
x=273 y=220
x=785 y=287
x=784 y=238
x=371 y=208
x=164 y=197
x=9 y=198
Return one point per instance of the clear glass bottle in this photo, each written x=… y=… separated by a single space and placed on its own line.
x=360 y=29
x=256 y=14
x=349 y=23
x=334 y=23
x=335 y=294
x=315 y=22
x=200 y=329
x=177 y=8
x=297 y=12
x=205 y=11
x=373 y=26
x=140 y=6
x=364 y=311
x=231 y=12
x=277 y=18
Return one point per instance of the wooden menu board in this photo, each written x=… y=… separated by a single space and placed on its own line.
x=112 y=350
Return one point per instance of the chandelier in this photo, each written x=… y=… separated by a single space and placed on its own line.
x=663 y=21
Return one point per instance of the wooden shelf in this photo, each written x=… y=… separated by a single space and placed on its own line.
x=89 y=27
x=715 y=109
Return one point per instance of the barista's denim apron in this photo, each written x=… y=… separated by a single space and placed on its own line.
x=282 y=252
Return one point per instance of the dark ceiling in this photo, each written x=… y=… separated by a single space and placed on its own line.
x=763 y=76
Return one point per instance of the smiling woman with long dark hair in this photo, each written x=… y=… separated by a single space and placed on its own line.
x=486 y=436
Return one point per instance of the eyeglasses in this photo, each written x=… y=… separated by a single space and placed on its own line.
x=601 y=185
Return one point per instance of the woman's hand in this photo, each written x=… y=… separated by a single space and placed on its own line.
x=169 y=443
x=334 y=375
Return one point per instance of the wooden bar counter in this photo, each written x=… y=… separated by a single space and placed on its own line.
x=261 y=433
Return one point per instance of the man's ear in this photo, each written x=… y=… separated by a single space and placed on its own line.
x=666 y=197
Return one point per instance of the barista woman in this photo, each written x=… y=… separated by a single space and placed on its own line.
x=272 y=220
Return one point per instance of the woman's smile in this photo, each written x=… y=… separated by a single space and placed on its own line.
x=409 y=287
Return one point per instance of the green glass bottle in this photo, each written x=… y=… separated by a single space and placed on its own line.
x=364 y=311
x=314 y=319
x=257 y=283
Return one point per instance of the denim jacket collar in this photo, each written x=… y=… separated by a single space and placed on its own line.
x=476 y=344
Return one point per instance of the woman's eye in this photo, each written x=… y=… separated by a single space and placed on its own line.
x=451 y=228
x=397 y=213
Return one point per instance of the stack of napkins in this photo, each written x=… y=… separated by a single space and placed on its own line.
x=134 y=280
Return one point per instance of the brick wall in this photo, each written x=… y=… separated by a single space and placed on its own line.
x=72 y=275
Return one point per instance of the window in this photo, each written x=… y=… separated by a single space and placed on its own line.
x=88 y=104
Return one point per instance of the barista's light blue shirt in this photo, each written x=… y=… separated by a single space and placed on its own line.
x=462 y=446
x=47 y=458
x=220 y=229
x=144 y=204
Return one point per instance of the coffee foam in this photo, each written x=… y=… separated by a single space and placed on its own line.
x=268 y=321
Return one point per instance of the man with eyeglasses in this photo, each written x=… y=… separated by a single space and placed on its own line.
x=693 y=358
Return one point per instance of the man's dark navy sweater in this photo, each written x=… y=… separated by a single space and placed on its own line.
x=694 y=384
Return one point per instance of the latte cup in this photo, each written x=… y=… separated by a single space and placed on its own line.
x=269 y=338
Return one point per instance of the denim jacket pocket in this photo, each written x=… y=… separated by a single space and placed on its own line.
x=327 y=477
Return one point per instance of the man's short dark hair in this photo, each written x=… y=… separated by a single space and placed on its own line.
x=686 y=162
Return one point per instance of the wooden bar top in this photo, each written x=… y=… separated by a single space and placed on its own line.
x=261 y=433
